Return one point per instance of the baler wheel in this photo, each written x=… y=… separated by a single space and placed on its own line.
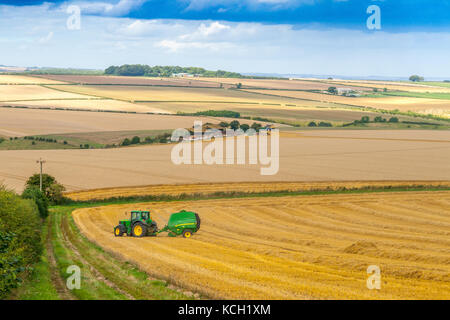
x=187 y=233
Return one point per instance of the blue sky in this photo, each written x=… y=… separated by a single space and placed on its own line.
x=267 y=36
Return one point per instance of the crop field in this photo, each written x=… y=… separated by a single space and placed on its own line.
x=297 y=247
x=393 y=86
x=277 y=84
x=12 y=93
x=18 y=79
x=243 y=187
x=420 y=105
x=17 y=122
x=305 y=156
x=120 y=80
x=168 y=94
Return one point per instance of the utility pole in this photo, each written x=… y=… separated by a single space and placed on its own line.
x=41 y=162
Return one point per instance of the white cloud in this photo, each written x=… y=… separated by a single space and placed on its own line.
x=121 y=8
x=47 y=38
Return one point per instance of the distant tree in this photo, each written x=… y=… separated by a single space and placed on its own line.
x=135 y=140
x=330 y=78
x=65 y=142
x=312 y=124
x=51 y=188
x=2 y=139
x=393 y=120
x=234 y=124
x=33 y=143
x=416 y=78
x=332 y=90
x=224 y=124
x=385 y=90
x=378 y=119
x=87 y=146
x=239 y=85
x=375 y=89
x=149 y=140
x=256 y=126
x=126 y=142
x=365 y=119
x=325 y=124
x=245 y=127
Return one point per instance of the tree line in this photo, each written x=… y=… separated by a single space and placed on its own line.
x=166 y=71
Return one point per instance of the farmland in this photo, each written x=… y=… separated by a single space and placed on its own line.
x=315 y=247
x=304 y=156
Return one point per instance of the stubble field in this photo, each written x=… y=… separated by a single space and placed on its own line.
x=299 y=247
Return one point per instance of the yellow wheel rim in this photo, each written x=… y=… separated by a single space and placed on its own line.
x=117 y=231
x=187 y=234
x=138 y=230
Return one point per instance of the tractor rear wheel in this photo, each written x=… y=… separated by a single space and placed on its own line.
x=139 y=230
x=187 y=233
x=118 y=231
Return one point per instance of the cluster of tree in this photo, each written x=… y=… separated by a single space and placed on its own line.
x=320 y=124
x=237 y=125
x=416 y=78
x=378 y=119
x=41 y=139
x=166 y=71
x=217 y=113
x=332 y=90
x=162 y=138
x=85 y=146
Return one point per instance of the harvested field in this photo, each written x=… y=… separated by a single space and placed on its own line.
x=276 y=84
x=17 y=122
x=391 y=86
x=384 y=155
x=299 y=247
x=244 y=187
x=167 y=94
x=89 y=105
x=32 y=92
x=17 y=79
x=420 y=105
x=119 y=80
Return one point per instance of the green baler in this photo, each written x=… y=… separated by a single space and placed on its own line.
x=141 y=224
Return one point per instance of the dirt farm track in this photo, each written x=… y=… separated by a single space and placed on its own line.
x=295 y=247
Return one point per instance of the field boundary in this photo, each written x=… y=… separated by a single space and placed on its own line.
x=181 y=196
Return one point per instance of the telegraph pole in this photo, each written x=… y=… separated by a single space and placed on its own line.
x=41 y=162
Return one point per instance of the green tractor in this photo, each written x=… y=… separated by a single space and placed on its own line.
x=141 y=224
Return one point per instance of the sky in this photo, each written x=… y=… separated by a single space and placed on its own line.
x=323 y=37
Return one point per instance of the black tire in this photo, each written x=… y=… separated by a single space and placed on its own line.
x=139 y=230
x=187 y=233
x=119 y=231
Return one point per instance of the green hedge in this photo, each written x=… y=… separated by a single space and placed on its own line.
x=20 y=238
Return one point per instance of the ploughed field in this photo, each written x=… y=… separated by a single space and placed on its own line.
x=294 y=247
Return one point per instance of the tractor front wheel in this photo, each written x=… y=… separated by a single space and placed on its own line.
x=187 y=233
x=139 y=230
x=118 y=231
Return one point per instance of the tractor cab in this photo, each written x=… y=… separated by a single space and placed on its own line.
x=141 y=216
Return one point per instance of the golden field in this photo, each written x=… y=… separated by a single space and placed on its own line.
x=12 y=93
x=419 y=105
x=17 y=122
x=322 y=155
x=19 y=79
x=390 y=85
x=171 y=94
x=244 y=187
x=298 y=247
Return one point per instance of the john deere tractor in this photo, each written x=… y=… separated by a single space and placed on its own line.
x=140 y=224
